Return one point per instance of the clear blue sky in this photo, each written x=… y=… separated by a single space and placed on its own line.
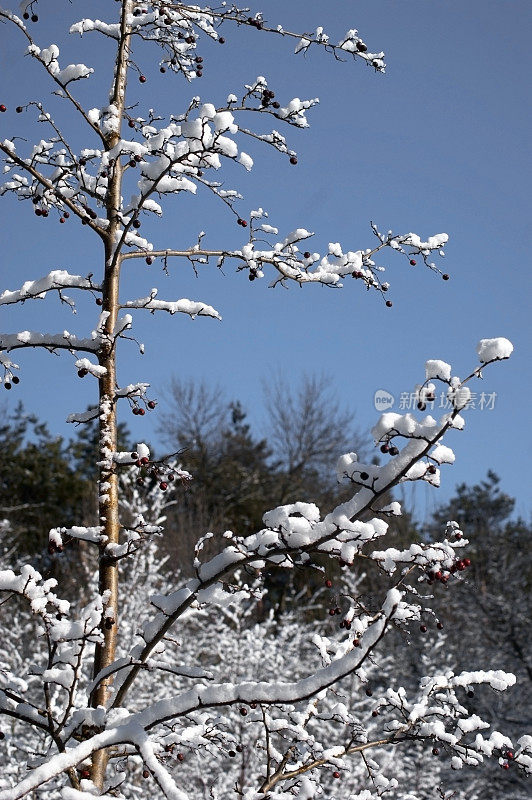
x=440 y=143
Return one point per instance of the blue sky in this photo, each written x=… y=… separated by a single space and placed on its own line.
x=439 y=143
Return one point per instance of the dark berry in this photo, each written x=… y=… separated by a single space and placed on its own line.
x=144 y=460
x=7 y=385
x=99 y=301
x=19 y=109
x=375 y=713
x=3 y=108
x=435 y=751
x=141 y=412
x=221 y=40
x=361 y=47
x=364 y=476
x=145 y=773
x=151 y=404
x=149 y=260
x=356 y=643
x=136 y=223
x=163 y=486
x=336 y=774
x=293 y=160
x=15 y=379
x=180 y=757
x=243 y=712
x=439 y=625
x=34 y=18
x=66 y=214
x=413 y=262
x=131 y=123
x=82 y=372
x=394 y=451
x=142 y=78
x=328 y=583
x=423 y=628
x=445 y=276
x=231 y=753
x=389 y=303
x=306 y=254
x=369 y=692
x=385 y=448
x=25 y=15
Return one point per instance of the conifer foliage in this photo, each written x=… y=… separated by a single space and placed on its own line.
x=81 y=709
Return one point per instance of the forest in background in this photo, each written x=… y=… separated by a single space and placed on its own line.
x=236 y=475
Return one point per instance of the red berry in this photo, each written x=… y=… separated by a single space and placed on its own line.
x=332 y=612
x=3 y=108
x=66 y=214
x=140 y=481
x=336 y=774
x=180 y=757
x=151 y=404
x=38 y=212
x=389 y=303
x=131 y=123
x=328 y=583
x=356 y=643
x=145 y=773
x=141 y=412
x=243 y=712
x=61 y=220
x=509 y=754
x=460 y=566
x=439 y=625
x=163 y=486
x=423 y=628
x=445 y=276
x=149 y=260
x=435 y=751
x=99 y=301
x=466 y=562
x=293 y=160
x=85 y=773
x=142 y=78
x=505 y=765
x=413 y=263
x=145 y=460
x=253 y=705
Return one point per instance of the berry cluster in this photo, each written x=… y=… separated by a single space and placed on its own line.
x=140 y=411
x=161 y=473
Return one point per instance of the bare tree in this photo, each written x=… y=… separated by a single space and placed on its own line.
x=79 y=702
x=307 y=428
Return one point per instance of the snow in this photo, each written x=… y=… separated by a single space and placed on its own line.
x=494 y=349
x=437 y=369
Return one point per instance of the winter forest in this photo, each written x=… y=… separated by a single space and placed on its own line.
x=248 y=613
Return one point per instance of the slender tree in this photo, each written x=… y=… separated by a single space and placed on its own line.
x=87 y=724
